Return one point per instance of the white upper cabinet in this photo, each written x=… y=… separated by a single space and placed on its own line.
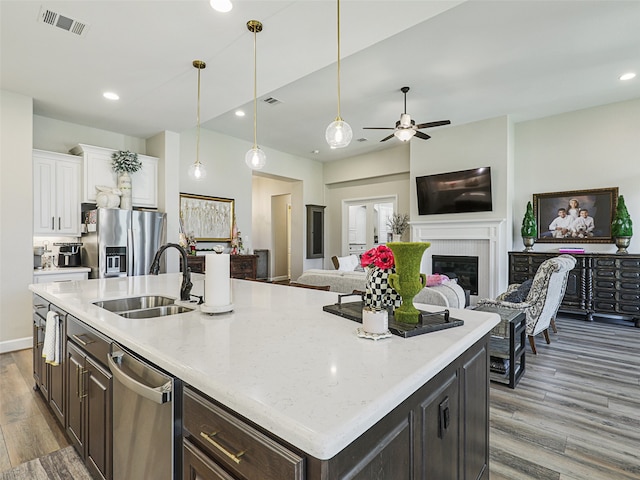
x=97 y=171
x=56 y=194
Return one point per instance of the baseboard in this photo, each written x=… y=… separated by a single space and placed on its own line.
x=279 y=279
x=15 y=345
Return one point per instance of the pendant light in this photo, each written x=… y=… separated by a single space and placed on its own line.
x=255 y=157
x=338 y=132
x=197 y=170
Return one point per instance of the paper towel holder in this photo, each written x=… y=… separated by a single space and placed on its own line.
x=212 y=309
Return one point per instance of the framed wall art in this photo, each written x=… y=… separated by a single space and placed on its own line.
x=576 y=216
x=209 y=219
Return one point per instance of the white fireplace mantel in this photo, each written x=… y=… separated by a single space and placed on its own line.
x=484 y=238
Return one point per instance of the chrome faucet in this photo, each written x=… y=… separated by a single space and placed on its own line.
x=185 y=288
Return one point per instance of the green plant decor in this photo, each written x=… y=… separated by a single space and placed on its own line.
x=125 y=161
x=529 y=225
x=621 y=226
x=407 y=281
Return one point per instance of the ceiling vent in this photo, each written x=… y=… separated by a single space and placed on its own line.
x=362 y=139
x=60 y=21
x=272 y=101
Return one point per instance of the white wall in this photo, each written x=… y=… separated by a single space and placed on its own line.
x=58 y=136
x=592 y=148
x=473 y=145
x=229 y=177
x=16 y=220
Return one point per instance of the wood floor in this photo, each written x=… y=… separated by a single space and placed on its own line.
x=575 y=415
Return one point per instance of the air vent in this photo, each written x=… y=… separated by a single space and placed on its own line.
x=62 y=22
x=272 y=101
x=362 y=139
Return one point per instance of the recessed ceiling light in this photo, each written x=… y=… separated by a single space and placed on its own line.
x=239 y=113
x=628 y=76
x=315 y=152
x=223 y=6
x=111 y=96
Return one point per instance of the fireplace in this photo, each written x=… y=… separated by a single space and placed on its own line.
x=482 y=238
x=464 y=268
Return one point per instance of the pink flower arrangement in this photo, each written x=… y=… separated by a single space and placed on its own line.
x=380 y=256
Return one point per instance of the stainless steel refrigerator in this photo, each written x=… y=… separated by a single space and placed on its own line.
x=122 y=242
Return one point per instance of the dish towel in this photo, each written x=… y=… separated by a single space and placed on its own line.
x=51 y=349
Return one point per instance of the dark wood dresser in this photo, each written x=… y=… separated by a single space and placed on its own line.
x=603 y=284
x=242 y=266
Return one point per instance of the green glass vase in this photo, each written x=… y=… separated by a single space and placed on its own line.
x=407 y=281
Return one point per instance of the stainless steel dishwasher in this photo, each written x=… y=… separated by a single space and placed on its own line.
x=144 y=412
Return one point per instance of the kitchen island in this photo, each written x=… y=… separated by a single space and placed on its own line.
x=303 y=376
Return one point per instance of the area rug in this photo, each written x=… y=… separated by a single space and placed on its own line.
x=62 y=464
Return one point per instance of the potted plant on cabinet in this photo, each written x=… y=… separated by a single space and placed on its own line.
x=622 y=226
x=124 y=163
x=529 y=230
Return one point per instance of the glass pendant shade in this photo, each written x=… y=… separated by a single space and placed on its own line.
x=338 y=134
x=197 y=171
x=255 y=158
x=404 y=134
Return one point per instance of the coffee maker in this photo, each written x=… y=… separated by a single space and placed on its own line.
x=69 y=255
x=37 y=257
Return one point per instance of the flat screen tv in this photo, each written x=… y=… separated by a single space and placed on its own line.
x=455 y=192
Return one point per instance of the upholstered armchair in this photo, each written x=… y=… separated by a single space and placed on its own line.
x=543 y=299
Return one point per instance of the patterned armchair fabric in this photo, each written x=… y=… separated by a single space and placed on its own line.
x=544 y=298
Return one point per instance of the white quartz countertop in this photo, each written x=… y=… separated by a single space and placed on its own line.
x=277 y=359
x=58 y=270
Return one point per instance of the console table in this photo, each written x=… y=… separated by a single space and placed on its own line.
x=507 y=344
x=241 y=266
x=601 y=284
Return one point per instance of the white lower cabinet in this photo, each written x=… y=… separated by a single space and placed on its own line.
x=97 y=170
x=56 y=194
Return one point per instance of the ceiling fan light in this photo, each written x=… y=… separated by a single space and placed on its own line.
x=338 y=134
x=404 y=134
x=255 y=158
x=197 y=171
x=222 y=6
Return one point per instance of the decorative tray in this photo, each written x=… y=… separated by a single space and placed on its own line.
x=429 y=322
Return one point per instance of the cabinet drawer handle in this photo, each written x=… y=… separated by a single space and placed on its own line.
x=53 y=223
x=59 y=223
x=234 y=457
x=80 y=341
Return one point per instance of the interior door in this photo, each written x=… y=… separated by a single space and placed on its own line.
x=365 y=223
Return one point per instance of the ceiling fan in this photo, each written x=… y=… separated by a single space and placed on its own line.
x=406 y=128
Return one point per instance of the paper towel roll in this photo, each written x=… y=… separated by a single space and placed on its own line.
x=217 y=282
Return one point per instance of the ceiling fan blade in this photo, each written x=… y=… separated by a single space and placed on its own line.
x=378 y=128
x=433 y=124
x=421 y=135
x=387 y=138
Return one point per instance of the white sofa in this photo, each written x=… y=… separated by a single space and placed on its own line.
x=449 y=294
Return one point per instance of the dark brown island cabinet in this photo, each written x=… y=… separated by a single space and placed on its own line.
x=601 y=284
x=439 y=432
x=78 y=390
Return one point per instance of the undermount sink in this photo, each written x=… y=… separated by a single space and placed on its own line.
x=156 y=311
x=135 y=303
x=147 y=306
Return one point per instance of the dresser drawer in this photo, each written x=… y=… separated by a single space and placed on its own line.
x=235 y=444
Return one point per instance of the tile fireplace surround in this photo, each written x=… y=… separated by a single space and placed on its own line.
x=485 y=239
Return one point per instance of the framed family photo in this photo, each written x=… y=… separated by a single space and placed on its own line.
x=576 y=216
x=209 y=219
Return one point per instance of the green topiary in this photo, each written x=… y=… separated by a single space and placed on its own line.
x=529 y=225
x=621 y=226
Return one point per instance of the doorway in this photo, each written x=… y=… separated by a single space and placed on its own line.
x=364 y=223
x=281 y=229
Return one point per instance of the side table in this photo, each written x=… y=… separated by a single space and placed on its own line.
x=507 y=345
